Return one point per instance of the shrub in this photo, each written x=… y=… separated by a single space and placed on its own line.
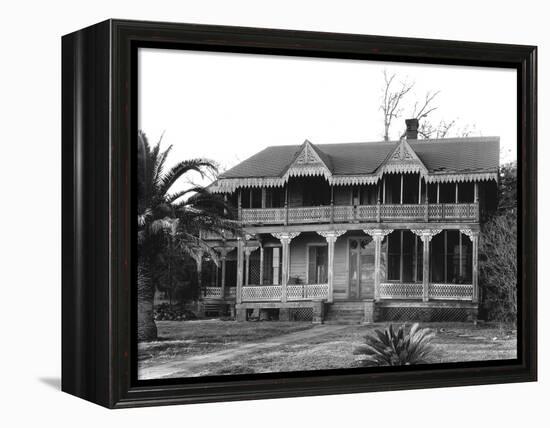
x=397 y=348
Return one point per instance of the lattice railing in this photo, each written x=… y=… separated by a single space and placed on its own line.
x=262 y=293
x=402 y=212
x=397 y=290
x=465 y=212
x=263 y=215
x=343 y=213
x=307 y=291
x=362 y=213
x=309 y=214
x=213 y=292
x=451 y=291
x=367 y=212
x=400 y=290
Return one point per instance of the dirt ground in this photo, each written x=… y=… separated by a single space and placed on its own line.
x=214 y=347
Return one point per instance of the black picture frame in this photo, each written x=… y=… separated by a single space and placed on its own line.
x=98 y=126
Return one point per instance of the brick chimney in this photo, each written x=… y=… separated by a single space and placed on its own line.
x=412 y=129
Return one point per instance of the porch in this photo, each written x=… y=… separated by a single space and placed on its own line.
x=377 y=264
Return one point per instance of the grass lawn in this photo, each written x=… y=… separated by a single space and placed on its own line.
x=212 y=347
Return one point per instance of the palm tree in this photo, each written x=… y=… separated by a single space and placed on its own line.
x=179 y=217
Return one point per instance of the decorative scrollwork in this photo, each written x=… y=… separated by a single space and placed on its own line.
x=331 y=234
x=285 y=235
x=426 y=233
x=470 y=233
x=378 y=232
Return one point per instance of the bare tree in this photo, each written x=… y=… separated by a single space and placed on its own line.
x=392 y=99
x=393 y=103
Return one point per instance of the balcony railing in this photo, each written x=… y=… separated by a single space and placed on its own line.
x=414 y=291
x=467 y=212
x=270 y=293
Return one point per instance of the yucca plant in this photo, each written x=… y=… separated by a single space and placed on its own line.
x=389 y=347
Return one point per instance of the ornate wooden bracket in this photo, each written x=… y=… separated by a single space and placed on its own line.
x=378 y=233
x=331 y=234
x=285 y=235
x=470 y=233
x=426 y=234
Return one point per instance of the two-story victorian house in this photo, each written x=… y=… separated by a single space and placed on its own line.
x=357 y=232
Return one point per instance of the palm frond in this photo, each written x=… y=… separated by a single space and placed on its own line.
x=200 y=166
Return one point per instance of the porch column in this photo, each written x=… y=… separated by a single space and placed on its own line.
x=377 y=236
x=240 y=259
x=476 y=200
x=223 y=257
x=239 y=205
x=261 y=265
x=247 y=252
x=426 y=235
x=198 y=261
x=331 y=237
x=474 y=237
x=475 y=246
x=285 y=238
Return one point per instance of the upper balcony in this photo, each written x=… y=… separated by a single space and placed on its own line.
x=443 y=212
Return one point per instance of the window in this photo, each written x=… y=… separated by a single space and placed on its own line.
x=317 y=264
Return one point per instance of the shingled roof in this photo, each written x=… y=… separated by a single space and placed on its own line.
x=447 y=156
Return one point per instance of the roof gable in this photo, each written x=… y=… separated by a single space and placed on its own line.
x=308 y=161
x=403 y=159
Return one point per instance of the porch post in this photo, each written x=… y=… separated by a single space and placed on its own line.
x=476 y=200
x=331 y=202
x=239 y=205
x=223 y=256
x=401 y=194
x=285 y=238
x=474 y=237
x=426 y=238
x=377 y=236
x=198 y=261
x=247 y=252
x=286 y=204
x=475 y=246
x=331 y=237
x=261 y=265
x=426 y=235
x=240 y=257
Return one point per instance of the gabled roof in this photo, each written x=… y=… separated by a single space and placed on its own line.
x=355 y=163
x=308 y=160
x=403 y=159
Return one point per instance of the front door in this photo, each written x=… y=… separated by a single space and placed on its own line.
x=361 y=268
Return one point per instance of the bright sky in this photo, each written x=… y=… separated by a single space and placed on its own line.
x=227 y=107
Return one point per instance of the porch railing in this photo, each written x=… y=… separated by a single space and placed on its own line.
x=216 y=292
x=267 y=293
x=262 y=293
x=362 y=213
x=414 y=291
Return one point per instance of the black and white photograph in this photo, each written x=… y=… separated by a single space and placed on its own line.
x=279 y=213
x=307 y=214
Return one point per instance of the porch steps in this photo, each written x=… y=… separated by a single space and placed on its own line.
x=345 y=312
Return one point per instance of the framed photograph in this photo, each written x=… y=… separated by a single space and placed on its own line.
x=255 y=213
